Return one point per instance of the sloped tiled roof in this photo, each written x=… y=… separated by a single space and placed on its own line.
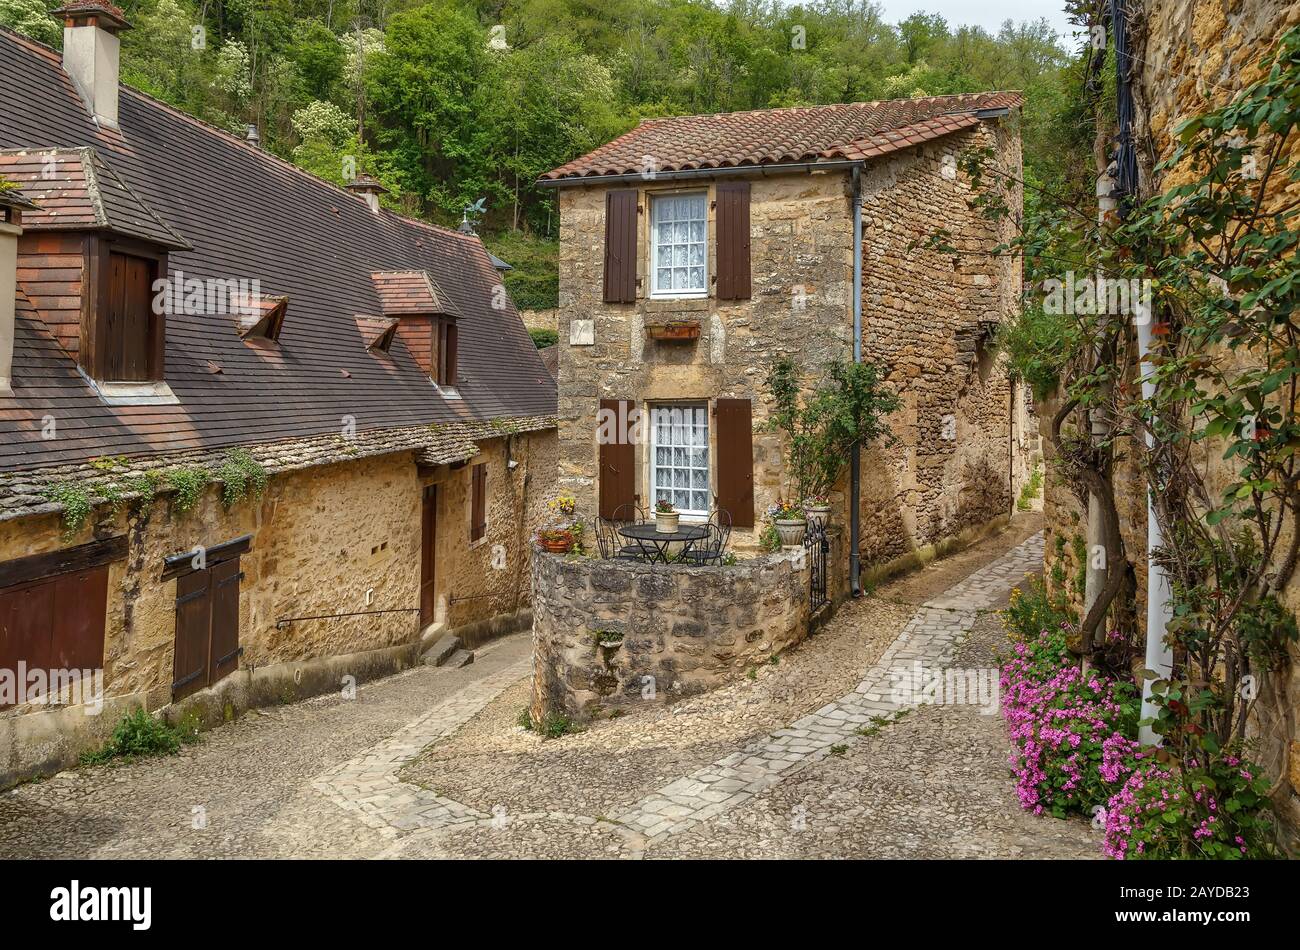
x=412 y=292
x=74 y=190
x=250 y=215
x=853 y=131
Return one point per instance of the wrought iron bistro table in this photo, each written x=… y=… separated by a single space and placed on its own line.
x=655 y=543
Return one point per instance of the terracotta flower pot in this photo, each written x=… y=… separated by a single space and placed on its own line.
x=666 y=521
x=791 y=531
x=558 y=547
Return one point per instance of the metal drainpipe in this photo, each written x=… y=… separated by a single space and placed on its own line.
x=855 y=479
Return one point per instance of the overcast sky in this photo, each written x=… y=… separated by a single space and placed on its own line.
x=986 y=13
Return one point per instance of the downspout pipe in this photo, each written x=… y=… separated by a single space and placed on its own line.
x=1159 y=658
x=855 y=478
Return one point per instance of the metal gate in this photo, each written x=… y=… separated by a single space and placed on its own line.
x=815 y=549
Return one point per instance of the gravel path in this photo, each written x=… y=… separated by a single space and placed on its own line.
x=432 y=763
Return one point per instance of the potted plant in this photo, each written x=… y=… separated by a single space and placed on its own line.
x=790 y=521
x=818 y=510
x=557 y=540
x=666 y=517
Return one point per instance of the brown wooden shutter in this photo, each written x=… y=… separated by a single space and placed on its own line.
x=620 y=246
x=191 y=652
x=617 y=457
x=225 y=619
x=128 y=334
x=478 y=502
x=733 y=240
x=453 y=357
x=736 y=461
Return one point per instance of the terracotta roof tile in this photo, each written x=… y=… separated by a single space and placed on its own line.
x=852 y=131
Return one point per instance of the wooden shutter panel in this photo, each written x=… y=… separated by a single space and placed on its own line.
x=736 y=461
x=617 y=458
x=478 y=502
x=225 y=618
x=193 y=633
x=453 y=360
x=620 y=246
x=733 y=240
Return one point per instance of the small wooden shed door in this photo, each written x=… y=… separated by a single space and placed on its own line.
x=207 y=627
x=428 y=544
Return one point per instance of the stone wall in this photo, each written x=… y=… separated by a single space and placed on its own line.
x=679 y=630
x=928 y=317
x=1192 y=55
x=326 y=540
x=923 y=318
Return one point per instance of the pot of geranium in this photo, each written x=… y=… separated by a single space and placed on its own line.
x=790 y=521
x=555 y=540
x=818 y=510
x=666 y=517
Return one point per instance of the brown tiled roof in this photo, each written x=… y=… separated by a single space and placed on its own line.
x=250 y=215
x=75 y=191
x=551 y=358
x=102 y=8
x=377 y=331
x=853 y=131
x=412 y=292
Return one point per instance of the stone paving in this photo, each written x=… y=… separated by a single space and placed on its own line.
x=431 y=763
x=928 y=639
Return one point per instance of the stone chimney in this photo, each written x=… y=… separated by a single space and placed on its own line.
x=369 y=188
x=91 y=53
x=11 y=228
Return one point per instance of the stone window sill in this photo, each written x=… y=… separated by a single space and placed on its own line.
x=135 y=394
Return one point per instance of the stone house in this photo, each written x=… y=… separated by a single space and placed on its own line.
x=259 y=437
x=696 y=250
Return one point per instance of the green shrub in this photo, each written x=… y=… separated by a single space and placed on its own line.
x=542 y=337
x=140 y=735
x=1033 y=611
x=240 y=475
x=1031 y=489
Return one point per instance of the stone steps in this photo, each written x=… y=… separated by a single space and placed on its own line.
x=448 y=651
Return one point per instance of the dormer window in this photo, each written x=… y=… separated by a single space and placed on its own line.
x=92 y=257
x=427 y=323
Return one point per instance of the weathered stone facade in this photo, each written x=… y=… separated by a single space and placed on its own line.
x=1192 y=55
x=925 y=319
x=327 y=540
x=668 y=631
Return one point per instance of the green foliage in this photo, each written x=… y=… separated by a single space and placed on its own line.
x=542 y=338
x=556 y=725
x=187 y=484
x=533 y=281
x=240 y=475
x=75 y=499
x=140 y=735
x=1036 y=343
x=846 y=408
x=31 y=18
x=769 y=540
x=1032 y=611
x=1031 y=489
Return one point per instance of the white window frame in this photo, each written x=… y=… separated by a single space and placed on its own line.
x=654 y=469
x=657 y=202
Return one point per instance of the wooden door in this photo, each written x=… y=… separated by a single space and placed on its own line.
x=428 y=544
x=55 y=623
x=130 y=302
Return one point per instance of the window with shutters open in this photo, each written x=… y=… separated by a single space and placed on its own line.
x=679 y=230
x=679 y=457
x=478 y=503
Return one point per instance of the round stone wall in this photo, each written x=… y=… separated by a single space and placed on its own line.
x=612 y=633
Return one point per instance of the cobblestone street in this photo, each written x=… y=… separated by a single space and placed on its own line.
x=810 y=756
